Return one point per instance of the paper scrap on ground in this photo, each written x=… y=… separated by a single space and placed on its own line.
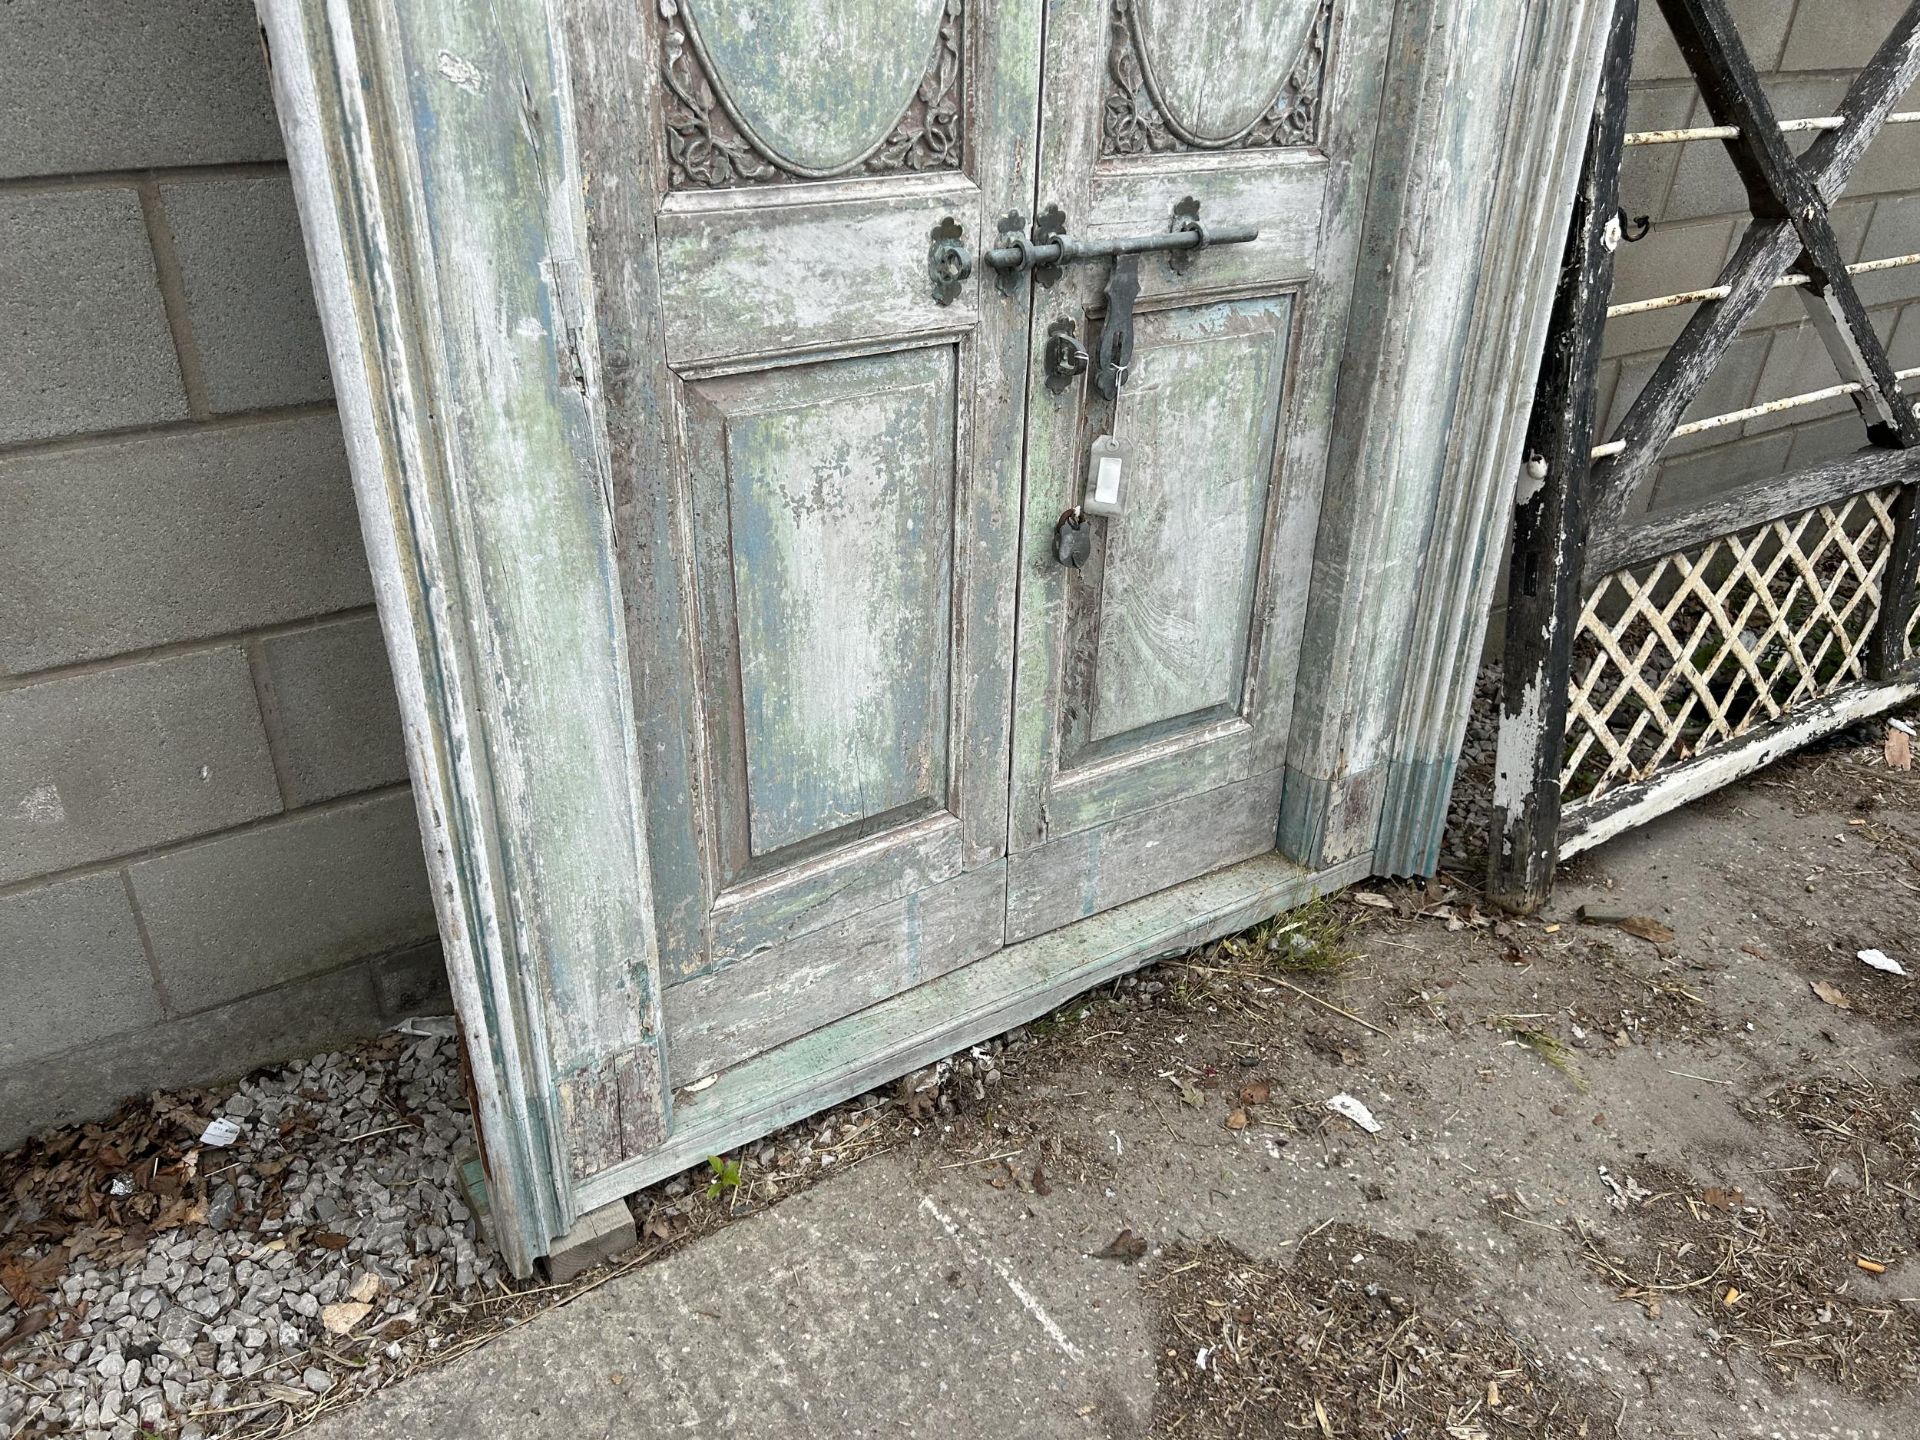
x=221 y=1132
x=1345 y=1104
x=1880 y=960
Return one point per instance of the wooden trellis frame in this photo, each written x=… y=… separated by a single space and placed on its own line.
x=1684 y=649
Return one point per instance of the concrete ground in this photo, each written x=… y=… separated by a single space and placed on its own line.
x=1546 y=1096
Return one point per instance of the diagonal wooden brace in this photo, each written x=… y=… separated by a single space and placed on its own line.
x=1779 y=188
x=1767 y=250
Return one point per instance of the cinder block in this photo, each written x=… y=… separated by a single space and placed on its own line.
x=1671 y=258
x=1797 y=364
x=1646 y=171
x=412 y=982
x=1894 y=231
x=125 y=84
x=1706 y=183
x=87 y=345
x=1729 y=388
x=1892 y=161
x=115 y=761
x=283 y=901
x=85 y=1083
x=597 y=1235
x=120 y=545
x=248 y=290
x=1825 y=440
x=1904 y=349
x=1762 y=24
x=1692 y=480
x=332 y=710
x=71 y=968
x=1839 y=34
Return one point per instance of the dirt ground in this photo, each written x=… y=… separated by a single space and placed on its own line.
x=1648 y=1165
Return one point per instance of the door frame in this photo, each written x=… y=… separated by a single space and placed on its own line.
x=433 y=158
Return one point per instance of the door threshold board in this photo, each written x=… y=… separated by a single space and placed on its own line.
x=984 y=999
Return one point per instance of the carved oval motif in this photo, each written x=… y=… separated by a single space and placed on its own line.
x=1214 y=66
x=815 y=85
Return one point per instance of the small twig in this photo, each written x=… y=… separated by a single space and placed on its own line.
x=1703 y=1079
x=368 y=1135
x=1328 y=1005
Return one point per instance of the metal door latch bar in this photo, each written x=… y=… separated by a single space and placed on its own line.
x=1186 y=235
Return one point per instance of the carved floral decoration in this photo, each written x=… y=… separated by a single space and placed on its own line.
x=706 y=149
x=1134 y=124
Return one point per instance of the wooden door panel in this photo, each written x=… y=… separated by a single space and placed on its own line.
x=1139 y=851
x=762 y=1000
x=760 y=271
x=1178 y=578
x=823 y=506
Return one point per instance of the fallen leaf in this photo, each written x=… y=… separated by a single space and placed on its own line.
x=1254 y=1094
x=1645 y=927
x=1041 y=1185
x=330 y=1240
x=1237 y=1120
x=18 y=1282
x=1899 y=749
x=1832 y=994
x=1126 y=1247
x=1367 y=897
x=341 y=1318
x=1189 y=1092
x=365 y=1288
x=31 y=1323
x=1320 y=1415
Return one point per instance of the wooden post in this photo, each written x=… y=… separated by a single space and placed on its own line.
x=1544 y=576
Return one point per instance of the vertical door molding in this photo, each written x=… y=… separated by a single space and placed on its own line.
x=1479 y=152
x=432 y=154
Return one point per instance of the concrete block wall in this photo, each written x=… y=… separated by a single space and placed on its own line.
x=208 y=851
x=1807 y=52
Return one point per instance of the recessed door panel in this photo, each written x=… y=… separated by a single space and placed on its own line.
x=1178 y=582
x=824 y=500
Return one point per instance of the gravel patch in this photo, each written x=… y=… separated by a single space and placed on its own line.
x=155 y=1281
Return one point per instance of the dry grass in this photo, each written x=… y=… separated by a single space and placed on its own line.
x=1787 y=1283
x=1360 y=1336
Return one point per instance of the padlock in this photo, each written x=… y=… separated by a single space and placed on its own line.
x=1072 y=540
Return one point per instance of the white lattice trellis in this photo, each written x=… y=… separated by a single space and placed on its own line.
x=1698 y=648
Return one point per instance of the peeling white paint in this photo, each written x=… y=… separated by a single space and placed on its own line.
x=460 y=71
x=1519 y=738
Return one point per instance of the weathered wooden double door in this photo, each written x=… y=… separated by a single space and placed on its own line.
x=887 y=730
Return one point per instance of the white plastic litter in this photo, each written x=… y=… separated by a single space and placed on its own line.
x=1345 y=1104
x=1880 y=960
x=221 y=1132
x=425 y=1025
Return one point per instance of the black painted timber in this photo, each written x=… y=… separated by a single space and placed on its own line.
x=1545 y=572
